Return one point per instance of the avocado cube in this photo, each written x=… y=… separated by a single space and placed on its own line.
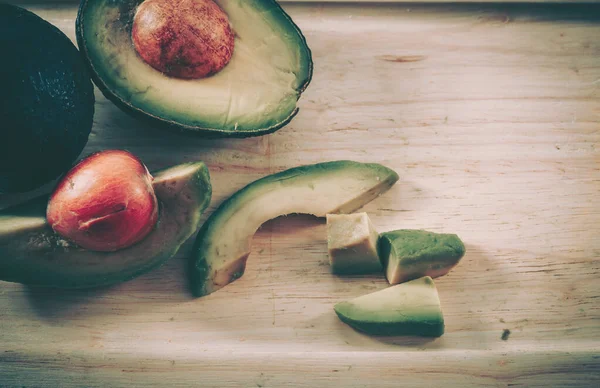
x=409 y=254
x=352 y=244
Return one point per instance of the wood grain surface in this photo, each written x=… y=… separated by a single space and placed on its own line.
x=491 y=116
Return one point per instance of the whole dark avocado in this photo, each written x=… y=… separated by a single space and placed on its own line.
x=46 y=103
x=143 y=56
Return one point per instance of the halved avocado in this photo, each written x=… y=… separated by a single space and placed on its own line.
x=31 y=253
x=223 y=243
x=255 y=94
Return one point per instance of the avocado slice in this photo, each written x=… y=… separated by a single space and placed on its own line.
x=46 y=103
x=411 y=308
x=352 y=244
x=223 y=243
x=255 y=94
x=31 y=253
x=409 y=254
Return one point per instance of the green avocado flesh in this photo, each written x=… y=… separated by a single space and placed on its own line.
x=31 y=253
x=408 y=254
x=352 y=244
x=223 y=243
x=256 y=93
x=411 y=308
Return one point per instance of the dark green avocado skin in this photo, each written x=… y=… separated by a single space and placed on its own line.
x=127 y=10
x=46 y=101
x=423 y=329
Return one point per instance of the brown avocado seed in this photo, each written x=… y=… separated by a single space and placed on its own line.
x=183 y=38
x=105 y=203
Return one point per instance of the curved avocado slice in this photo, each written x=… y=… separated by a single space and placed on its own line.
x=223 y=243
x=411 y=308
x=255 y=94
x=31 y=253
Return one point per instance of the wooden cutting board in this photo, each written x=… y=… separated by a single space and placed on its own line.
x=491 y=116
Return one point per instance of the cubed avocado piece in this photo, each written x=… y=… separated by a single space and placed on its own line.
x=352 y=244
x=411 y=308
x=254 y=94
x=32 y=253
x=408 y=254
x=223 y=243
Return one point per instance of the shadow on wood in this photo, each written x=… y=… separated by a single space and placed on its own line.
x=54 y=304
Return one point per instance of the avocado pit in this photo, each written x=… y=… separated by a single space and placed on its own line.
x=186 y=39
x=105 y=203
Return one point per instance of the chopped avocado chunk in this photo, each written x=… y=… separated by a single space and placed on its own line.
x=411 y=308
x=256 y=93
x=31 y=253
x=408 y=254
x=223 y=243
x=352 y=244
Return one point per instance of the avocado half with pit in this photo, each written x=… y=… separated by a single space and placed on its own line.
x=223 y=244
x=31 y=253
x=250 y=87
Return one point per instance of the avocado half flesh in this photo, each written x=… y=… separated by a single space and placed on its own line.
x=31 y=253
x=411 y=308
x=255 y=94
x=223 y=243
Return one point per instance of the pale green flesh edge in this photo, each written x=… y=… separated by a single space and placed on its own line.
x=31 y=253
x=256 y=91
x=223 y=243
